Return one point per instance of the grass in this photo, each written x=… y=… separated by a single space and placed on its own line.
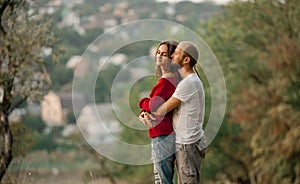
x=43 y=167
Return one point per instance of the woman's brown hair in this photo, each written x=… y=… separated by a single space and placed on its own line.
x=171 y=46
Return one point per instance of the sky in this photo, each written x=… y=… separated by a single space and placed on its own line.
x=216 y=1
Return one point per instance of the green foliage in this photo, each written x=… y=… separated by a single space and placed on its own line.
x=91 y=6
x=293 y=92
x=71 y=117
x=259 y=50
x=133 y=173
x=137 y=174
x=23 y=139
x=24 y=38
x=22 y=45
x=137 y=91
x=74 y=43
x=44 y=142
x=104 y=82
x=137 y=49
x=128 y=173
x=195 y=13
x=34 y=122
x=23 y=143
x=226 y=155
x=35 y=128
x=128 y=134
x=61 y=76
x=52 y=141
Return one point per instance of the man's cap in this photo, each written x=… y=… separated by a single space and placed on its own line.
x=189 y=48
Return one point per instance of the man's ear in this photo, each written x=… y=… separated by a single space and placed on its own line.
x=187 y=59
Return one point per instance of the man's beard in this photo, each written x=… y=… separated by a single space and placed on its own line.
x=174 y=67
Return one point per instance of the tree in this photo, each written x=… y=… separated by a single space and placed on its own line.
x=25 y=41
x=258 y=46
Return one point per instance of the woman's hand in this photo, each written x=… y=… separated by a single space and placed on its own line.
x=147 y=119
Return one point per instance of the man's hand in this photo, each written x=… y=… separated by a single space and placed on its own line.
x=147 y=119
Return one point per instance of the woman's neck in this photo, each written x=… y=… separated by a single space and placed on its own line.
x=167 y=74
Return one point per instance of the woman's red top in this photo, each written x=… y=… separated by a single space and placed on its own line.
x=160 y=93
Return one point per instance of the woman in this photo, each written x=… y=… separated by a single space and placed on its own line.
x=162 y=134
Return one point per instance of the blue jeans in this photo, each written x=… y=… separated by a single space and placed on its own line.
x=163 y=156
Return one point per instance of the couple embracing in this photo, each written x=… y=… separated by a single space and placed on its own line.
x=174 y=114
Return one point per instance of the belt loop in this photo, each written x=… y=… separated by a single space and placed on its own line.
x=185 y=147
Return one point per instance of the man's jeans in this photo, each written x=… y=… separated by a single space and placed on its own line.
x=189 y=158
x=163 y=156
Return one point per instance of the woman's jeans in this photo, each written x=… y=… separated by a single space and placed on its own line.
x=163 y=156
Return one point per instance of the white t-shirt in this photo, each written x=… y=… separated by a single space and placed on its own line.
x=188 y=118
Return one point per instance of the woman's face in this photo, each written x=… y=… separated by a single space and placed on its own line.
x=162 y=57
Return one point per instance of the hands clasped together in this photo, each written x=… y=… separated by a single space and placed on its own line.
x=148 y=119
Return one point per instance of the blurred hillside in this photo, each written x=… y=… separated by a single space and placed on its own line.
x=257 y=45
x=56 y=149
x=82 y=21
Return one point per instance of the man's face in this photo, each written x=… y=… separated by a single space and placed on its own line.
x=178 y=56
x=177 y=60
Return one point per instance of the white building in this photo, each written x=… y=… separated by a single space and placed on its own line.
x=98 y=123
x=56 y=106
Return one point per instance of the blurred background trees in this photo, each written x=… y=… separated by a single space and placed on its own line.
x=256 y=42
x=258 y=46
x=24 y=37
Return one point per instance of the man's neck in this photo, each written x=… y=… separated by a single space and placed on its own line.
x=184 y=71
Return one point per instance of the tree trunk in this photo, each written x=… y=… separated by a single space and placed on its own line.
x=7 y=142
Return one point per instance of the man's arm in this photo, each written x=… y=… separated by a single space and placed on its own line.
x=160 y=93
x=166 y=107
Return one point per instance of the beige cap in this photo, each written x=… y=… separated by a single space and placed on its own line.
x=189 y=48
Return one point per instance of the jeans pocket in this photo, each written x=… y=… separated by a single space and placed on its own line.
x=201 y=147
x=201 y=151
x=188 y=172
x=187 y=176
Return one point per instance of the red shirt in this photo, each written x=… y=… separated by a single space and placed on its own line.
x=160 y=93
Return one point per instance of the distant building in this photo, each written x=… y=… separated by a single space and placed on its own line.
x=55 y=3
x=98 y=123
x=79 y=66
x=99 y=20
x=56 y=106
x=105 y=19
x=73 y=61
x=116 y=59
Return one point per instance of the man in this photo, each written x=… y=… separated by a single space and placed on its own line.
x=188 y=120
